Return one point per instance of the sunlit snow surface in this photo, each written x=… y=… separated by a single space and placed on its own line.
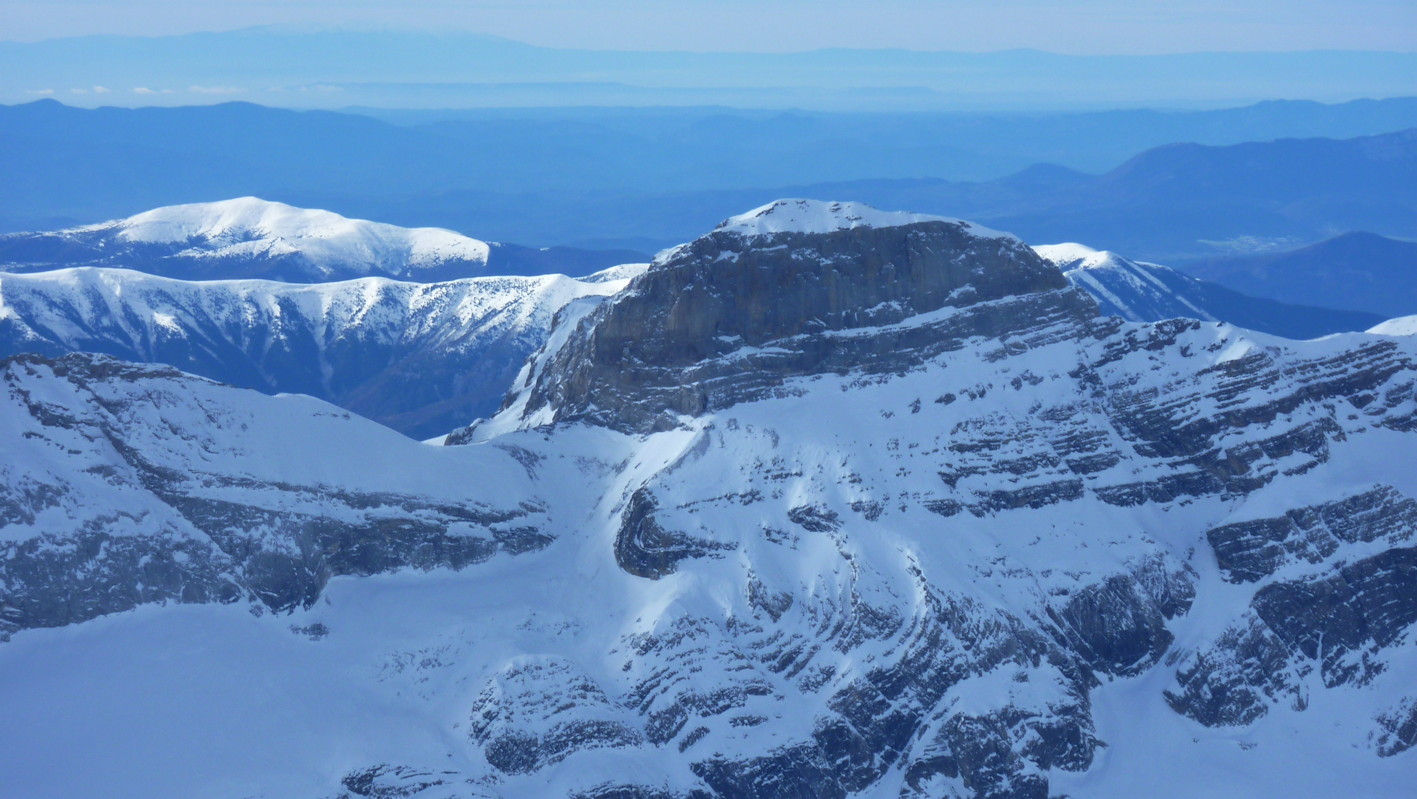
x=83 y=305
x=326 y=238
x=1123 y=287
x=1401 y=326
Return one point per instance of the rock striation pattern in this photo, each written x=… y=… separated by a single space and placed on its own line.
x=1018 y=400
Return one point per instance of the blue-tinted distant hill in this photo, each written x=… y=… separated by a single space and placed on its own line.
x=81 y=165
x=1174 y=204
x=1356 y=270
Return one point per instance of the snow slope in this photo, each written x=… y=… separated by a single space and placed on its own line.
x=421 y=357
x=1401 y=326
x=991 y=545
x=330 y=242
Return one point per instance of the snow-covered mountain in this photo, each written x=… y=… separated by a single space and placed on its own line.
x=1145 y=292
x=880 y=511
x=422 y=358
x=249 y=237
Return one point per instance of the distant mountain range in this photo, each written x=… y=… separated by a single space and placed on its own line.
x=1172 y=204
x=646 y=178
x=1363 y=271
x=249 y=237
x=327 y=69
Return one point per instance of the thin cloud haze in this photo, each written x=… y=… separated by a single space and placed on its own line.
x=1093 y=27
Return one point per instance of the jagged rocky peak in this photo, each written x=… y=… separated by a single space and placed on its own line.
x=791 y=289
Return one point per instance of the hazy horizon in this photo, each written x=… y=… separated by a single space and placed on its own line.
x=1080 y=28
x=1399 y=45
x=304 y=67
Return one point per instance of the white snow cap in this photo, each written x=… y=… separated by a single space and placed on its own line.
x=1065 y=253
x=1071 y=255
x=252 y=223
x=1401 y=326
x=820 y=216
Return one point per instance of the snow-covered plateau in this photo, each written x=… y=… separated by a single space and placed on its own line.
x=249 y=237
x=810 y=511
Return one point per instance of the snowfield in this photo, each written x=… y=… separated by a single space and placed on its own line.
x=1401 y=326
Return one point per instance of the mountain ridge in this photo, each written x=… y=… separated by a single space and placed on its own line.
x=1357 y=269
x=420 y=357
x=1146 y=292
x=637 y=164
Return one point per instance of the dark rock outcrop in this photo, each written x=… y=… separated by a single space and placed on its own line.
x=645 y=549
x=1333 y=623
x=538 y=711
x=1250 y=551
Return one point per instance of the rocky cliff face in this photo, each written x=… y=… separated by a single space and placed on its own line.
x=735 y=314
x=957 y=537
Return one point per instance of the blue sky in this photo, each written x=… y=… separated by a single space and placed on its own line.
x=1087 y=26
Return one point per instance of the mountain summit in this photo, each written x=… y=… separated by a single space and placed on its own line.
x=792 y=289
